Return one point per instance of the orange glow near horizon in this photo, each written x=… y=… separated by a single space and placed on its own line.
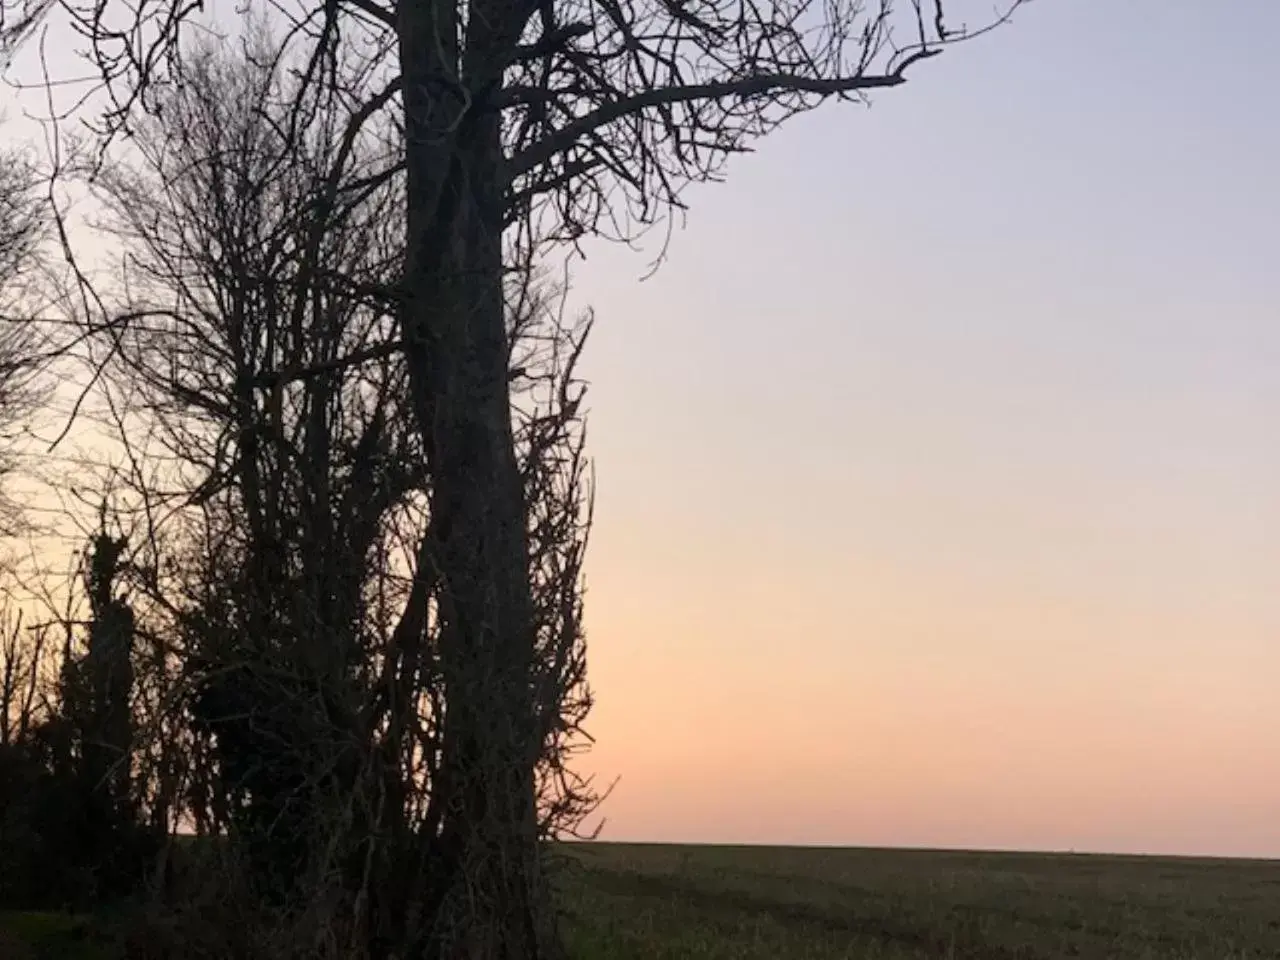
x=887 y=738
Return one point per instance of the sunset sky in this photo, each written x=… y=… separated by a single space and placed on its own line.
x=939 y=467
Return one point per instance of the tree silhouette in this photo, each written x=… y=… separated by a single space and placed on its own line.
x=509 y=125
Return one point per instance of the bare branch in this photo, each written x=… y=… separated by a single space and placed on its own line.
x=746 y=88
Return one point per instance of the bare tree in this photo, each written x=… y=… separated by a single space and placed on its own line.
x=21 y=229
x=21 y=656
x=272 y=390
x=22 y=223
x=18 y=20
x=255 y=355
x=518 y=124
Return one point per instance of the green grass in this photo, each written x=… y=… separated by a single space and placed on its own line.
x=47 y=936
x=642 y=902
x=741 y=903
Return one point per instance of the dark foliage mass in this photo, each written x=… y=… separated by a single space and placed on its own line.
x=70 y=831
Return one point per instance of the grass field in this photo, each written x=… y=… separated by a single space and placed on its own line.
x=642 y=902
x=733 y=903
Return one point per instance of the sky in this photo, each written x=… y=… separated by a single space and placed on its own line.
x=939 y=465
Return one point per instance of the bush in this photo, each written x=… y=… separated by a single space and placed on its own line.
x=63 y=845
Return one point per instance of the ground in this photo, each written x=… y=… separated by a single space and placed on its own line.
x=633 y=902
x=47 y=936
x=742 y=903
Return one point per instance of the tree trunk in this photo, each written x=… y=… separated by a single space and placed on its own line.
x=487 y=896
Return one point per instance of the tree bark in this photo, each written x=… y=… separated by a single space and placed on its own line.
x=486 y=893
